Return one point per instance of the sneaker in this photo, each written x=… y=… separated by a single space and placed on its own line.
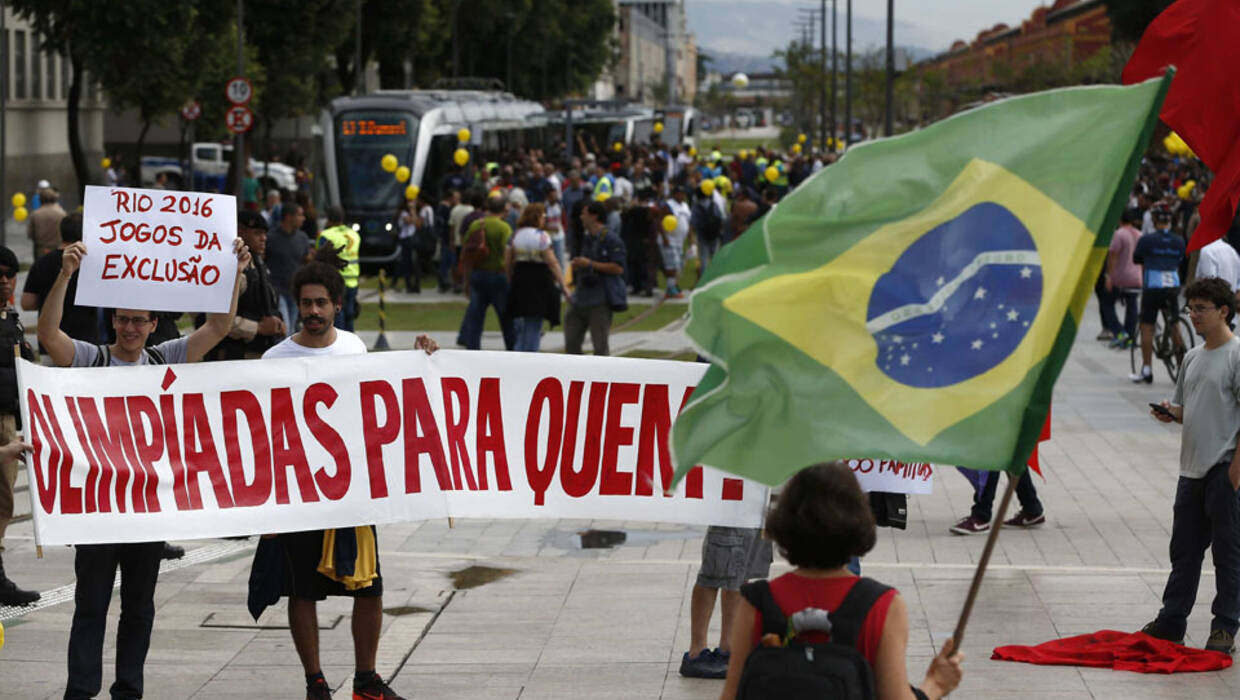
x=1157 y=631
x=970 y=526
x=374 y=689
x=1022 y=520
x=1122 y=341
x=318 y=689
x=10 y=594
x=704 y=665
x=1105 y=335
x=1145 y=375
x=1221 y=640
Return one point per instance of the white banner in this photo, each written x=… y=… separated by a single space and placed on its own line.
x=157 y=250
x=257 y=446
x=892 y=476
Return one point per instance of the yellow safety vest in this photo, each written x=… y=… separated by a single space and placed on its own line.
x=348 y=243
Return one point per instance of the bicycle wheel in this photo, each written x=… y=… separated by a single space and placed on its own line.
x=1177 y=341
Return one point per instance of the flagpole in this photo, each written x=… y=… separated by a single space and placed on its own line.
x=958 y=635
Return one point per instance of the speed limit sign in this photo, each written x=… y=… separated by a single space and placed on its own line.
x=239 y=119
x=239 y=90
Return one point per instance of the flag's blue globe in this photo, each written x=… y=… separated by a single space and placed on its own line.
x=958 y=301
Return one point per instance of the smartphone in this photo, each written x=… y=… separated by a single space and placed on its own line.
x=1159 y=408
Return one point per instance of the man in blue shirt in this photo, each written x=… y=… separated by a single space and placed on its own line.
x=1160 y=253
x=598 y=274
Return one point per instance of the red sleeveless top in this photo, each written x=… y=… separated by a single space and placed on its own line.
x=793 y=593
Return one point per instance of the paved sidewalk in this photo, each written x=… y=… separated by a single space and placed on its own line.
x=612 y=623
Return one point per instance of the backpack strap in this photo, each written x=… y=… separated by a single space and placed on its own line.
x=848 y=619
x=103 y=356
x=155 y=357
x=758 y=593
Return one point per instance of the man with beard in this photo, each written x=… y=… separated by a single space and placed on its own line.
x=319 y=290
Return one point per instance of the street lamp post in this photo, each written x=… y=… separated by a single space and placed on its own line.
x=822 y=76
x=891 y=67
x=848 y=74
x=834 y=64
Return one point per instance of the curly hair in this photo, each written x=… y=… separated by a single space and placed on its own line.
x=324 y=269
x=1213 y=290
x=822 y=518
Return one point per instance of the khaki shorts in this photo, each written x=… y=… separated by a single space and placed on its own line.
x=733 y=555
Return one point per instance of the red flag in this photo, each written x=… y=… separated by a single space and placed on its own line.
x=1198 y=37
x=1046 y=435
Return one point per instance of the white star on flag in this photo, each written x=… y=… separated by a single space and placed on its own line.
x=1025 y=272
x=980 y=294
x=940 y=281
x=1013 y=315
x=977 y=344
x=937 y=338
x=904 y=359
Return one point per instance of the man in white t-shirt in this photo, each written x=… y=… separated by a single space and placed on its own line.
x=1220 y=260
x=672 y=243
x=319 y=290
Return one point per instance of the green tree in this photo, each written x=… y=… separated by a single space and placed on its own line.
x=1129 y=18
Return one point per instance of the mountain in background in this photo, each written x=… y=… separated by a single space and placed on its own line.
x=744 y=34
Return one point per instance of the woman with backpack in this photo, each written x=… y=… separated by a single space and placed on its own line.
x=823 y=519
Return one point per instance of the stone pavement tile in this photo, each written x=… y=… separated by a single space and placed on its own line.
x=31 y=679
x=1105 y=683
x=605 y=679
x=484 y=653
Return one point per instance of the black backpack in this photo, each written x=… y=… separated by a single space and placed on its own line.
x=709 y=223
x=104 y=356
x=835 y=670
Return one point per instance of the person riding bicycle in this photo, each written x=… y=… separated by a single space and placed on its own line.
x=1160 y=253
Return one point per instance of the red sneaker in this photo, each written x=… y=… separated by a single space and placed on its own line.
x=374 y=689
x=970 y=526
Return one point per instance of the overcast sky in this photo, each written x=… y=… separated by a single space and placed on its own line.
x=931 y=24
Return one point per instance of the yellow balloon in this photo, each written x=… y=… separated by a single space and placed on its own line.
x=658 y=127
x=617 y=147
x=19 y=200
x=602 y=196
x=744 y=154
x=389 y=163
x=670 y=223
x=463 y=135
x=412 y=192
x=460 y=157
x=772 y=174
x=802 y=138
x=20 y=214
x=796 y=148
x=692 y=151
x=708 y=187
x=402 y=174
x=724 y=182
x=106 y=163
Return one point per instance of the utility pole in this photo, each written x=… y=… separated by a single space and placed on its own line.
x=822 y=76
x=891 y=67
x=848 y=74
x=239 y=160
x=359 y=71
x=835 y=20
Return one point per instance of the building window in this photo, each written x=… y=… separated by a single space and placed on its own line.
x=19 y=66
x=51 y=76
x=36 y=70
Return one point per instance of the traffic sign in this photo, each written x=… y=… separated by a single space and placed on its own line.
x=239 y=90
x=191 y=111
x=239 y=119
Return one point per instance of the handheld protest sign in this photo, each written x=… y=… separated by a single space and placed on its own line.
x=157 y=250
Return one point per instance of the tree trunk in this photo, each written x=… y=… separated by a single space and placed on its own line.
x=80 y=168
x=136 y=179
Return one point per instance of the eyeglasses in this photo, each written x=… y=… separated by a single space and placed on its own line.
x=1198 y=308
x=131 y=320
x=8 y=272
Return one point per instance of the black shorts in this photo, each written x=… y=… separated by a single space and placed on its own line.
x=1154 y=300
x=301 y=574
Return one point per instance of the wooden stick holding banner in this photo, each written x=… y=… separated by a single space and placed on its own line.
x=38 y=548
x=971 y=597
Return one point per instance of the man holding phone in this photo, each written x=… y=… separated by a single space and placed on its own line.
x=1207 y=509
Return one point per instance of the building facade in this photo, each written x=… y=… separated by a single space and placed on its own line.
x=36 y=116
x=1063 y=35
x=653 y=41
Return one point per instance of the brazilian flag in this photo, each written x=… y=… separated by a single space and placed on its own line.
x=916 y=300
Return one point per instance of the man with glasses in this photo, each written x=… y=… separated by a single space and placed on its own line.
x=11 y=333
x=1207 y=508
x=1160 y=253
x=96 y=564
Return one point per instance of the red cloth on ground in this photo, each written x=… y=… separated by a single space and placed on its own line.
x=1122 y=651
